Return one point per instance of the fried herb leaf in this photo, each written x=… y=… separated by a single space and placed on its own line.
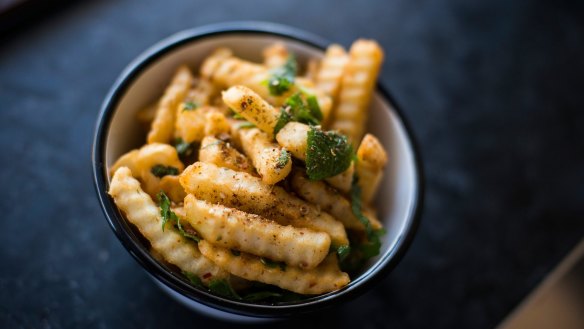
x=272 y=264
x=168 y=215
x=328 y=154
x=190 y=106
x=161 y=170
x=282 y=78
x=283 y=120
x=183 y=148
x=343 y=252
x=194 y=279
x=223 y=288
x=246 y=125
x=283 y=159
x=372 y=246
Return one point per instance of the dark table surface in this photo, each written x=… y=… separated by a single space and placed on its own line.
x=493 y=90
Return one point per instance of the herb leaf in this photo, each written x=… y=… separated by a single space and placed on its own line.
x=283 y=120
x=246 y=125
x=272 y=264
x=169 y=215
x=190 y=106
x=282 y=78
x=372 y=246
x=283 y=159
x=301 y=111
x=183 y=148
x=328 y=154
x=195 y=280
x=161 y=171
x=343 y=252
x=223 y=288
x=296 y=109
x=314 y=107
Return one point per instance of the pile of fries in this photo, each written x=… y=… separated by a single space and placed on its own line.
x=254 y=175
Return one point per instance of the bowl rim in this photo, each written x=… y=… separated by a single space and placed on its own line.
x=370 y=277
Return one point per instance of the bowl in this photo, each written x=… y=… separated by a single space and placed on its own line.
x=399 y=199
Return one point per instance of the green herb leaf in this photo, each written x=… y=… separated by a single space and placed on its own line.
x=195 y=280
x=283 y=159
x=343 y=252
x=246 y=125
x=327 y=154
x=169 y=215
x=183 y=148
x=238 y=116
x=283 y=120
x=223 y=288
x=296 y=109
x=190 y=106
x=314 y=107
x=373 y=245
x=300 y=111
x=282 y=78
x=161 y=171
x=272 y=264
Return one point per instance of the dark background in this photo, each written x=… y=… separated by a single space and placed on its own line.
x=494 y=92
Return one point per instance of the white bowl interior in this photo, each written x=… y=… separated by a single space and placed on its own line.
x=397 y=195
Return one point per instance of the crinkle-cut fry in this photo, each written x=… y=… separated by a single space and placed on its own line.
x=275 y=55
x=216 y=124
x=213 y=61
x=161 y=130
x=154 y=154
x=141 y=211
x=228 y=71
x=248 y=193
x=202 y=92
x=330 y=200
x=127 y=160
x=324 y=278
x=222 y=154
x=293 y=136
x=224 y=70
x=357 y=87
x=372 y=159
x=235 y=229
x=252 y=107
x=342 y=181
x=157 y=154
x=190 y=125
x=331 y=70
x=171 y=186
x=272 y=162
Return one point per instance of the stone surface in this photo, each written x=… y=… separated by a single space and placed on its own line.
x=493 y=90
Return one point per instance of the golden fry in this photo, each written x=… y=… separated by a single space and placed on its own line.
x=372 y=160
x=329 y=200
x=247 y=193
x=325 y=278
x=271 y=161
x=357 y=87
x=141 y=211
x=235 y=229
x=222 y=154
x=162 y=127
